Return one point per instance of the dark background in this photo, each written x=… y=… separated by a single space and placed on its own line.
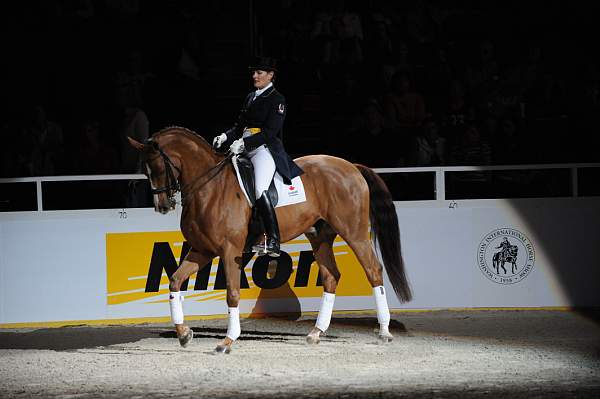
x=491 y=82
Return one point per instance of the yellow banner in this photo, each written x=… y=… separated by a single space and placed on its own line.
x=138 y=266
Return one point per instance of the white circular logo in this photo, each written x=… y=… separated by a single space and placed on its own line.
x=505 y=256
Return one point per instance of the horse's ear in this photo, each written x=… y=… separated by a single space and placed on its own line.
x=136 y=144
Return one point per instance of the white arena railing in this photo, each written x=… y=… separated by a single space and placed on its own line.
x=440 y=176
x=448 y=244
x=439 y=188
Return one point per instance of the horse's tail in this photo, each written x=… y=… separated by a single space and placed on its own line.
x=384 y=223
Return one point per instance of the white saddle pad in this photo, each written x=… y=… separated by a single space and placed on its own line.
x=288 y=194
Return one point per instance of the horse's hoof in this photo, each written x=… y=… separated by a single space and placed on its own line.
x=185 y=339
x=312 y=339
x=223 y=349
x=385 y=338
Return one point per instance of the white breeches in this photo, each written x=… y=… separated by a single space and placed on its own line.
x=264 y=168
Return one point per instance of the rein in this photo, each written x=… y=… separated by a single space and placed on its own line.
x=194 y=186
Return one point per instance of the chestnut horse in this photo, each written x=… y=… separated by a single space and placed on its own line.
x=341 y=198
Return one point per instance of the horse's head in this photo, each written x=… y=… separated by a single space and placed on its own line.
x=162 y=173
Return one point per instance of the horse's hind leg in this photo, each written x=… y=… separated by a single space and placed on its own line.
x=364 y=251
x=192 y=264
x=322 y=245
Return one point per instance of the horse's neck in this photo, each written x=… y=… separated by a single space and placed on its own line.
x=195 y=158
x=195 y=166
x=198 y=179
x=201 y=174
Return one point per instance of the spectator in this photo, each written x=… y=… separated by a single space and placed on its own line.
x=131 y=120
x=507 y=148
x=483 y=74
x=322 y=36
x=429 y=147
x=456 y=111
x=404 y=107
x=94 y=155
x=132 y=79
x=367 y=127
x=338 y=34
x=44 y=140
x=14 y=152
x=348 y=34
x=403 y=59
x=404 y=111
x=471 y=150
x=380 y=47
x=439 y=76
x=533 y=68
x=420 y=25
x=134 y=124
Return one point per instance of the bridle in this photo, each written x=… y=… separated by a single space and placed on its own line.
x=172 y=185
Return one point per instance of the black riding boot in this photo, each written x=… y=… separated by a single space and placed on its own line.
x=267 y=214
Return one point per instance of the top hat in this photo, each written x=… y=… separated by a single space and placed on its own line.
x=263 y=63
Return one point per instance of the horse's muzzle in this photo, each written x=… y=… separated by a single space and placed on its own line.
x=163 y=209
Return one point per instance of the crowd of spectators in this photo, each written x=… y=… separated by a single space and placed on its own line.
x=425 y=83
x=84 y=75
x=384 y=83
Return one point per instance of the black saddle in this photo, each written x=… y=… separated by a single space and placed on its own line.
x=255 y=227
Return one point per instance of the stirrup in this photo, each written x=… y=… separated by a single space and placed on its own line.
x=260 y=250
x=263 y=249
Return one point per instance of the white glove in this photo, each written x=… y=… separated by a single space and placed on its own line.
x=219 y=140
x=237 y=146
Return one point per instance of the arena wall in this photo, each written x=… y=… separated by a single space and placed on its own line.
x=108 y=266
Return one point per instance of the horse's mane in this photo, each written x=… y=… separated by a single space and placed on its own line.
x=185 y=131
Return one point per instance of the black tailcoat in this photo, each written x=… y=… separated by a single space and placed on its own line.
x=266 y=112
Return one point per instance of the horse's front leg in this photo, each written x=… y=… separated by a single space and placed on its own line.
x=502 y=266
x=233 y=267
x=495 y=264
x=330 y=282
x=192 y=264
x=322 y=245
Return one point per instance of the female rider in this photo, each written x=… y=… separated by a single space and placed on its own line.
x=258 y=132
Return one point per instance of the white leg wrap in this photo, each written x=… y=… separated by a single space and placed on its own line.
x=175 y=303
x=233 y=328
x=325 y=311
x=383 y=312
